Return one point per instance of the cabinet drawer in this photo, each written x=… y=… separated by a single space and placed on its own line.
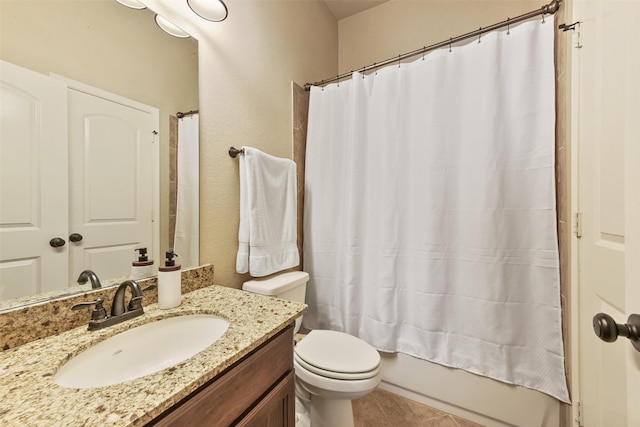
x=233 y=393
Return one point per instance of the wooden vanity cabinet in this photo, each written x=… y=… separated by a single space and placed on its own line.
x=258 y=390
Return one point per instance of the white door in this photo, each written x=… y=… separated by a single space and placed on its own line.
x=112 y=184
x=33 y=182
x=607 y=124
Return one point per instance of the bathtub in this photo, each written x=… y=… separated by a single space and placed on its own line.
x=473 y=397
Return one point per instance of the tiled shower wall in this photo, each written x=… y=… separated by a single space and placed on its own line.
x=173 y=176
x=300 y=100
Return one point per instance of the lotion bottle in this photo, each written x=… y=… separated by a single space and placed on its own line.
x=143 y=267
x=169 y=283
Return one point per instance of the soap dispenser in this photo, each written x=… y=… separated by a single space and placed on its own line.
x=143 y=267
x=169 y=283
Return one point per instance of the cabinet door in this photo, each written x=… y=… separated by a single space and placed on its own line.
x=246 y=386
x=277 y=409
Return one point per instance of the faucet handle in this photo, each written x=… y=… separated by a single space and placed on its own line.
x=98 y=312
x=135 y=303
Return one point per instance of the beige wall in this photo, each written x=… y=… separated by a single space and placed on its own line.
x=111 y=47
x=400 y=26
x=247 y=63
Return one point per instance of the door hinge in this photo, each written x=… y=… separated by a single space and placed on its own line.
x=579 y=417
x=578 y=224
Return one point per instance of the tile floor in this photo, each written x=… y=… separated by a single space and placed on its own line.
x=382 y=408
x=385 y=409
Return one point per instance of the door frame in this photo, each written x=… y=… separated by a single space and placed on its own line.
x=574 y=245
x=632 y=204
x=155 y=114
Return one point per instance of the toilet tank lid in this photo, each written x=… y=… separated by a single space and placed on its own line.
x=278 y=284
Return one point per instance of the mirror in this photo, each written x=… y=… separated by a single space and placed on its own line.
x=107 y=46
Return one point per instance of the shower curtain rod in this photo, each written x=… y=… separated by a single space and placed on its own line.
x=547 y=9
x=188 y=113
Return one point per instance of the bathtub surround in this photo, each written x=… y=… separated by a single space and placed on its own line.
x=300 y=104
x=441 y=208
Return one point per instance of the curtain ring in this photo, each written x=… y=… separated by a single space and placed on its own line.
x=338 y=78
x=424 y=48
x=543 y=21
x=479 y=35
x=450 y=39
x=508 y=26
x=375 y=69
x=399 y=61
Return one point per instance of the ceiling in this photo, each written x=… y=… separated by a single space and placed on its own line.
x=345 y=8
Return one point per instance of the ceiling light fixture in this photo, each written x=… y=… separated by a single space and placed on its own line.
x=133 y=4
x=170 y=28
x=211 y=10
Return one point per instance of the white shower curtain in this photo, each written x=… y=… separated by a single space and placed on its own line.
x=187 y=235
x=430 y=222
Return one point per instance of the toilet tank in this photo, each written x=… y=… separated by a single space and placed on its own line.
x=290 y=286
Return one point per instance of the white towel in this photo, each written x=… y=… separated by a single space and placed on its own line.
x=268 y=234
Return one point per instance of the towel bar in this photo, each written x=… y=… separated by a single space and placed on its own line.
x=233 y=152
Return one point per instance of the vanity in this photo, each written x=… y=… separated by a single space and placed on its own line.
x=257 y=391
x=245 y=378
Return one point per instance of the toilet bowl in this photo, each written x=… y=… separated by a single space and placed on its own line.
x=334 y=368
x=331 y=367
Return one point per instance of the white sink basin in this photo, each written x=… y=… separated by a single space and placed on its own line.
x=141 y=351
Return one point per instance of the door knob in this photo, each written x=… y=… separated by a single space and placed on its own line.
x=75 y=237
x=608 y=330
x=56 y=242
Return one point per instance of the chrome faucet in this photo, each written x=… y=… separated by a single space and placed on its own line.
x=89 y=275
x=99 y=318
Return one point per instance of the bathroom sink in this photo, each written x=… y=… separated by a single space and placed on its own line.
x=141 y=351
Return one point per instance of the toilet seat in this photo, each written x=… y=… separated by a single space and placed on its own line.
x=337 y=355
x=332 y=374
x=333 y=388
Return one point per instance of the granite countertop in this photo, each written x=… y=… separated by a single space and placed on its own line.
x=29 y=397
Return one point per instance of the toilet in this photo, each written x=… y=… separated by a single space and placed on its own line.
x=331 y=368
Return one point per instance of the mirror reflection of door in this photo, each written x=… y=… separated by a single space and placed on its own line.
x=104 y=191
x=111 y=184
x=33 y=182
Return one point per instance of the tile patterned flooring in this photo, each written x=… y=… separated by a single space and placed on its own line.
x=382 y=408
x=385 y=409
